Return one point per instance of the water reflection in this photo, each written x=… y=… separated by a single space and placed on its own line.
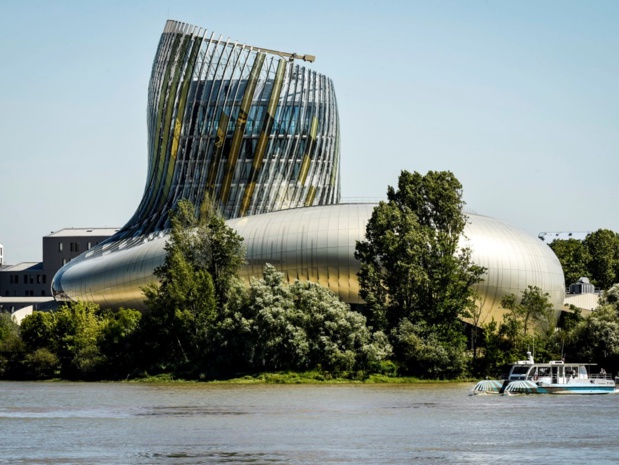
x=121 y=423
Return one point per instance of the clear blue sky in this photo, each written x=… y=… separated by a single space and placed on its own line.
x=519 y=99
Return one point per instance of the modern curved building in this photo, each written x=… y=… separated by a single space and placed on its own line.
x=260 y=134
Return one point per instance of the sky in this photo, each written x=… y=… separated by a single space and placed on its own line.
x=520 y=100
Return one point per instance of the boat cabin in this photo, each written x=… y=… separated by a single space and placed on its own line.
x=553 y=372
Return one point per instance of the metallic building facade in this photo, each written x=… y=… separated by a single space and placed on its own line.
x=249 y=126
x=254 y=129
x=318 y=244
x=260 y=135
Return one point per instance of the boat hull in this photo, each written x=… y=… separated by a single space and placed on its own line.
x=529 y=387
x=567 y=389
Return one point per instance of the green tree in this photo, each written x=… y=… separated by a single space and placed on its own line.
x=207 y=243
x=11 y=347
x=119 y=339
x=305 y=326
x=37 y=331
x=574 y=259
x=499 y=342
x=413 y=265
x=596 y=338
x=280 y=341
x=611 y=297
x=534 y=307
x=603 y=253
x=41 y=364
x=202 y=259
x=234 y=336
x=182 y=308
x=38 y=334
x=76 y=333
x=426 y=354
x=338 y=337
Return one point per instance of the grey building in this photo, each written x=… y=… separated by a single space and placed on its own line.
x=29 y=283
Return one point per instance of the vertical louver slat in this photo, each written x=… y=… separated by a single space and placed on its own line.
x=263 y=139
x=241 y=122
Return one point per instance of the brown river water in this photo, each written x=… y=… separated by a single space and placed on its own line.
x=125 y=423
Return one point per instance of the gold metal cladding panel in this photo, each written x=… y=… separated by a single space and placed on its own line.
x=164 y=114
x=263 y=139
x=220 y=142
x=235 y=145
x=164 y=181
x=157 y=90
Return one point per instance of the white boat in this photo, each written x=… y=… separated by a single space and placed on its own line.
x=554 y=377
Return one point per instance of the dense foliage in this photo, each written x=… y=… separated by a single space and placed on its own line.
x=596 y=257
x=416 y=277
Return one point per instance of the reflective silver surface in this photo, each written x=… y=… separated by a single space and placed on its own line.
x=317 y=244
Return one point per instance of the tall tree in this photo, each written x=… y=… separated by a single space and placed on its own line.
x=596 y=338
x=76 y=332
x=534 y=307
x=413 y=266
x=205 y=240
x=574 y=259
x=603 y=251
x=203 y=256
x=11 y=346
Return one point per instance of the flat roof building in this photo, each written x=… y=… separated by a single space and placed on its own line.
x=29 y=283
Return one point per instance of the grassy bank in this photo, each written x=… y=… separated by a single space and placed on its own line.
x=309 y=377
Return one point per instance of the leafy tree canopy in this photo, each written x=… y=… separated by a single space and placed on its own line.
x=202 y=259
x=574 y=258
x=305 y=326
x=412 y=264
x=534 y=307
x=596 y=257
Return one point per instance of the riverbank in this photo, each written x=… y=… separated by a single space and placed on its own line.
x=310 y=377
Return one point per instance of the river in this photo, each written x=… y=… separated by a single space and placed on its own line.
x=130 y=423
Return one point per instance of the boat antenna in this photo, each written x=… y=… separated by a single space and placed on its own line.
x=562 y=344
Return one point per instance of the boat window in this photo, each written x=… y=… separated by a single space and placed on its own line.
x=582 y=371
x=544 y=371
x=520 y=370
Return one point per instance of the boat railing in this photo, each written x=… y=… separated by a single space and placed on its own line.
x=601 y=376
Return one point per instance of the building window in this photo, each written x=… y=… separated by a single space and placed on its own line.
x=64 y=261
x=60 y=247
x=38 y=279
x=43 y=293
x=89 y=246
x=6 y=293
x=25 y=279
x=44 y=278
